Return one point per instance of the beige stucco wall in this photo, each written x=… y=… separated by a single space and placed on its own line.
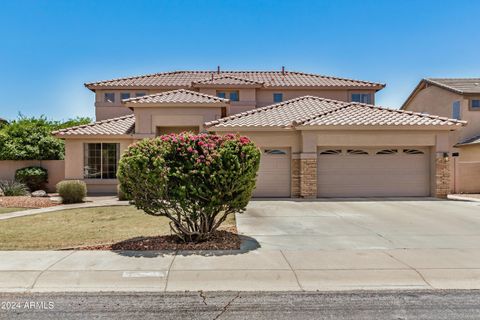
x=74 y=163
x=147 y=119
x=438 y=101
x=55 y=168
x=467 y=170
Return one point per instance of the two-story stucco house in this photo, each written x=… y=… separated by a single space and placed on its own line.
x=320 y=136
x=458 y=99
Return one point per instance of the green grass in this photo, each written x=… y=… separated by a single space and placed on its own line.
x=8 y=210
x=81 y=227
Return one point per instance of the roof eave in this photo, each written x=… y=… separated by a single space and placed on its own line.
x=248 y=128
x=380 y=127
x=216 y=104
x=94 y=136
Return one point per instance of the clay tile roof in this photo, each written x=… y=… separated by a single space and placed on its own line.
x=316 y=111
x=185 y=79
x=177 y=96
x=117 y=126
x=227 y=80
x=470 y=141
x=458 y=85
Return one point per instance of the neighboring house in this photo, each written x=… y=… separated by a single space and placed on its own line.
x=319 y=136
x=459 y=99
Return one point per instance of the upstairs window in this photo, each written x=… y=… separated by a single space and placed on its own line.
x=125 y=95
x=456 y=110
x=232 y=95
x=277 y=97
x=362 y=97
x=109 y=97
x=140 y=94
x=475 y=104
x=101 y=160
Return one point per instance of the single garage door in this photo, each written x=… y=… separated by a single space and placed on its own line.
x=273 y=178
x=366 y=172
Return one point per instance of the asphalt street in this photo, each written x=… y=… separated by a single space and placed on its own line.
x=451 y=305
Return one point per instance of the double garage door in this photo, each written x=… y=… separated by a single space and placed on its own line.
x=368 y=172
x=351 y=172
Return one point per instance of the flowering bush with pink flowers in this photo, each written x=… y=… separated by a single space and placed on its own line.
x=196 y=180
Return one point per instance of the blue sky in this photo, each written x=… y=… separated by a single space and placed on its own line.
x=48 y=49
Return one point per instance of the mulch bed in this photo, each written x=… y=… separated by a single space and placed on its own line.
x=221 y=240
x=26 y=202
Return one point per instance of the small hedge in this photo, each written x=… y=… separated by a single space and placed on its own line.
x=11 y=188
x=72 y=191
x=36 y=178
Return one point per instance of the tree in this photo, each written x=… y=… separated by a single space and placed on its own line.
x=31 y=138
x=194 y=180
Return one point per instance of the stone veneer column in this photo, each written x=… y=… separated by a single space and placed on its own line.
x=304 y=176
x=308 y=178
x=295 y=178
x=442 y=176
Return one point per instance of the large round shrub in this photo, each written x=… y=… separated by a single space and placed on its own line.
x=35 y=178
x=72 y=191
x=194 y=180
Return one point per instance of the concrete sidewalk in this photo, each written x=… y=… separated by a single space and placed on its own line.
x=90 y=202
x=258 y=270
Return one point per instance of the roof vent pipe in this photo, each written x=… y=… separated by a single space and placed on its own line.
x=283 y=69
x=218 y=69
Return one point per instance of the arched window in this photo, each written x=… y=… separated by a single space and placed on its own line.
x=331 y=152
x=388 y=151
x=412 y=151
x=274 y=151
x=357 y=152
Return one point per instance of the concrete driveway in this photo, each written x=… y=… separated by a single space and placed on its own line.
x=362 y=224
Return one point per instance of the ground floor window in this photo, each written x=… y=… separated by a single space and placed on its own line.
x=101 y=160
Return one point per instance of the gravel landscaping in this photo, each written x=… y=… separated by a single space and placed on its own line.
x=26 y=202
x=222 y=240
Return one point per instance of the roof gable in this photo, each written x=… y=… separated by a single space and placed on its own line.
x=455 y=85
x=458 y=85
x=180 y=96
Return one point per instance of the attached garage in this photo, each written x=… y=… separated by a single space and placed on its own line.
x=346 y=149
x=273 y=178
x=373 y=172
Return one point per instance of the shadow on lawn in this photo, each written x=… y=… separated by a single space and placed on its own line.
x=223 y=243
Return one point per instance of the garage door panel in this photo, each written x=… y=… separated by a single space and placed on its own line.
x=273 y=177
x=372 y=174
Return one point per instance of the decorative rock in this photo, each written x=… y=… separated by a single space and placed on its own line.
x=39 y=193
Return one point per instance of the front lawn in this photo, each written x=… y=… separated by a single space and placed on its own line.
x=8 y=210
x=82 y=227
